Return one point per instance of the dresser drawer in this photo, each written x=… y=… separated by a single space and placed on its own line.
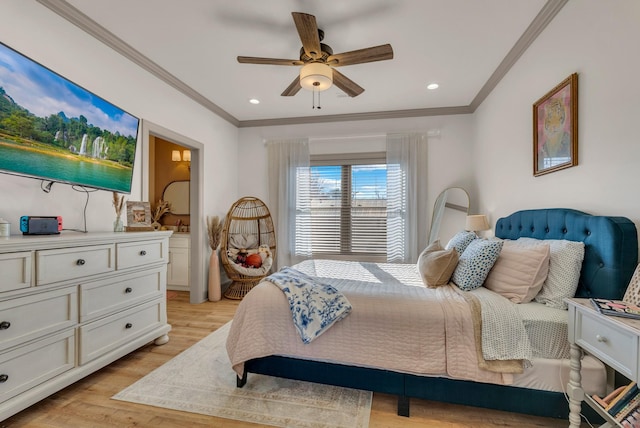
x=104 y=335
x=15 y=269
x=100 y=298
x=618 y=347
x=141 y=253
x=31 y=365
x=30 y=317
x=73 y=263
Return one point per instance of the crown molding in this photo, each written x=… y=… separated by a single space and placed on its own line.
x=539 y=23
x=82 y=21
x=391 y=114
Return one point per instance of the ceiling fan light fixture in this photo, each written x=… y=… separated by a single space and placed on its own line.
x=316 y=76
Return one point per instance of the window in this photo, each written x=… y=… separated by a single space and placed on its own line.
x=346 y=207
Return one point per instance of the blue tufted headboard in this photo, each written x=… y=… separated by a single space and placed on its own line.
x=611 y=245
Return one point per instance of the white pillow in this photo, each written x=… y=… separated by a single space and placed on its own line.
x=475 y=263
x=519 y=272
x=565 y=263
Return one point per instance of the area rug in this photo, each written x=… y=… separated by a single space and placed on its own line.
x=200 y=380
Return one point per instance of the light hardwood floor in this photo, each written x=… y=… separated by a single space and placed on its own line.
x=87 y=403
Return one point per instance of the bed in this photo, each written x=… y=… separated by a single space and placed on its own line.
x=610 y=258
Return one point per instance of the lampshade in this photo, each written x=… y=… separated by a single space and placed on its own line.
x=477 y=222
x=316 y=76
x=175 y=155
x=186 y=155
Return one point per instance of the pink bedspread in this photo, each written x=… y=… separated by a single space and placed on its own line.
x=396 y=324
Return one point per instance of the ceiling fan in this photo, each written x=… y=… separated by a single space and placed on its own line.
x=318 y=61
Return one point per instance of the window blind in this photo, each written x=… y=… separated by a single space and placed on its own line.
x=347 y=211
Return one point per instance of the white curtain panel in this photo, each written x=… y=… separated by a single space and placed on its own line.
x=406 y=196
x=288 y=172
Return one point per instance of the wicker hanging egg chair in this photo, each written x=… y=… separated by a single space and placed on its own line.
x=248 y=243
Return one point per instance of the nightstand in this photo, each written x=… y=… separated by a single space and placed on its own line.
x=613 y=340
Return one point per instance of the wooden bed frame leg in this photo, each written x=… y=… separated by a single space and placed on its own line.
x=403 y=405
x=241 y=381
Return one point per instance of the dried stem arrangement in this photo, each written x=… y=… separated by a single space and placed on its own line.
x=118 y=203
x=162 y=207
x=214 y=230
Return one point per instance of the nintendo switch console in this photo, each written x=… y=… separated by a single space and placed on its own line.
x=36 y=225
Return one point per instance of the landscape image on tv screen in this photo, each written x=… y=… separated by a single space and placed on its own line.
x=52 y=129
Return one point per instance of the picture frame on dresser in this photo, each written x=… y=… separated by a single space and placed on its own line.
x=555 y=128
x=139 y=216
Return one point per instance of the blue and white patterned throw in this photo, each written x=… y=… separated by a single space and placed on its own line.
x=314 y=306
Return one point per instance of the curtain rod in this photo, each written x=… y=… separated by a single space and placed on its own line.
x=431 y=133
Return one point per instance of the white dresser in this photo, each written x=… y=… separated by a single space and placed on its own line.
x=72 y=303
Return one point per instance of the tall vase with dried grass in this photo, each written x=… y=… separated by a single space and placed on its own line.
x=214 y=230
x=118 y=203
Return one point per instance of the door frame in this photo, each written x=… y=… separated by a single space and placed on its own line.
x=197 y=288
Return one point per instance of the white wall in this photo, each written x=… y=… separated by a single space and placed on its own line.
x=449 y=155
x=598 y=40
x=43 y=36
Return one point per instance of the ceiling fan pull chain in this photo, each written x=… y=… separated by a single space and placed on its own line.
x=313 y=95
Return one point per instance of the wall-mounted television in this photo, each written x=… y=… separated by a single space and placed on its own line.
x=54 y=130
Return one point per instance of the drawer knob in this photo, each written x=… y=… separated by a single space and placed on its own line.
x=601 y=338
x=80 y=262
x=143 y=253
x=128 y=325
x=5 y=325
x=4 y=378
x=128 y=290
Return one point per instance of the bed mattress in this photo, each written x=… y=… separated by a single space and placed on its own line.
x=553 y=375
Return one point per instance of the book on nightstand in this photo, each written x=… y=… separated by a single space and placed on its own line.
x=616 y=308
x=628 y=408
x=624 y=398
x=632 y=420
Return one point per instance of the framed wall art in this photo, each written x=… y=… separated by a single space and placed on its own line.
x=138 y=216
x=555 y=128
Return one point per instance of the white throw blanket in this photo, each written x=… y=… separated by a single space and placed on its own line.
x=314 y=306
x=503 y=333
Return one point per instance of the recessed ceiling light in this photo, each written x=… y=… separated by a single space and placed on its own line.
x=254 y=101
x=432 y=86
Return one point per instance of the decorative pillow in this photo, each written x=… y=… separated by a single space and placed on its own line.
x=519 y=272
x=436 y=265
x=461 y=240
x=475 y=263
x=632 y=295
x=565 y=264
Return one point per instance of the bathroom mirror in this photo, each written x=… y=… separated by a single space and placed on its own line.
x=449 y=214
x=177 y=194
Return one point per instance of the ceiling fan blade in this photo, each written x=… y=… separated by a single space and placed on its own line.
x=308 y=32
x=360 y=56
x=293 y=88
x=269 y=61
x=347 y=85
